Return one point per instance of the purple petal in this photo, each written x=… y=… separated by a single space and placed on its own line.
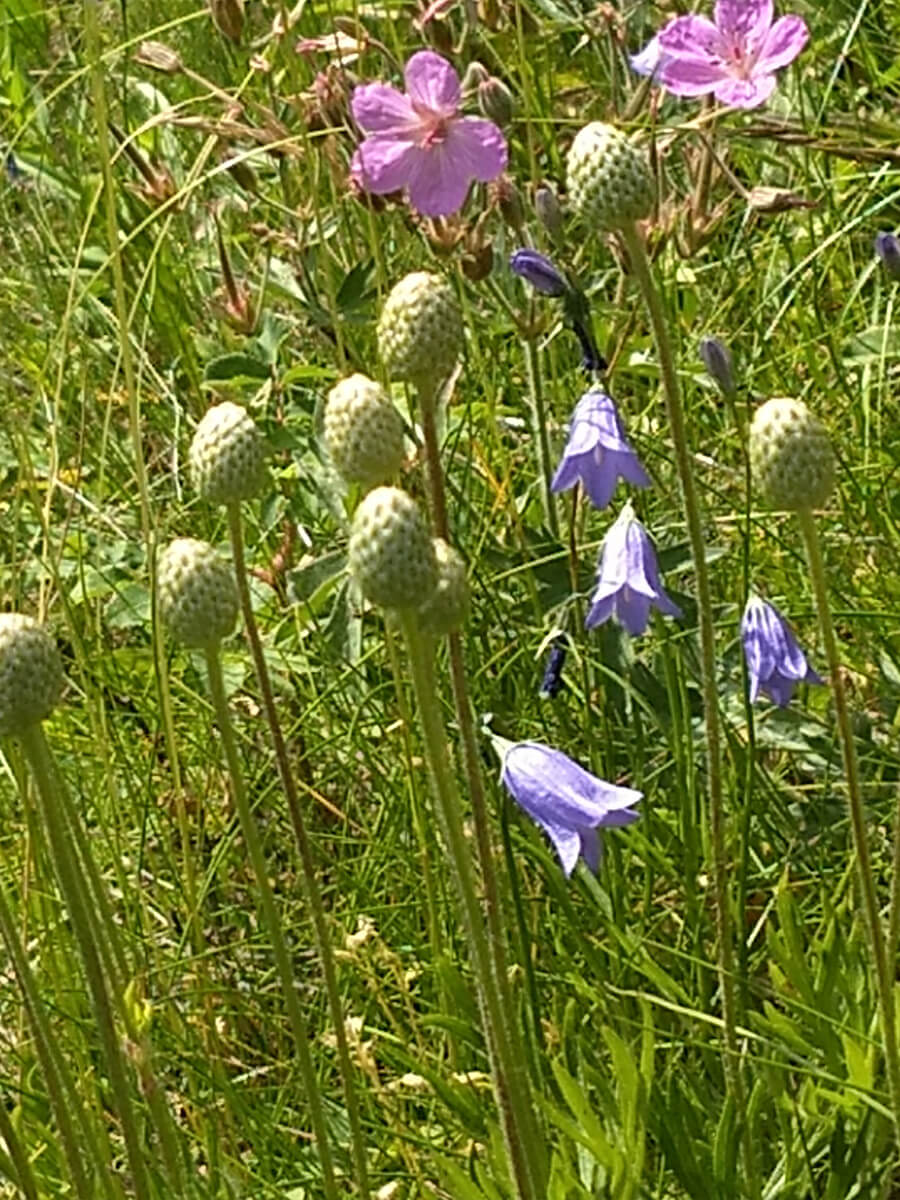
x=648 y=60
x=384 y=164
x=590 y=848
x=602 y=608
x=692 y=77
x=785 y=40
x=745 y=21
x=745 y=93
x=436 y=187
x=779 y=689
x=477 y=148
x=693 y=37
x=553 y=788
x=379 y=108
x=432 y=83
x=566 y=842
x=600 y=479
x=632 y=611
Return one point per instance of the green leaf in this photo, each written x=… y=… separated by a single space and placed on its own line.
x=235 y=367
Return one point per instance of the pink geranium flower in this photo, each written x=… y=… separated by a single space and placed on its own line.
x=735 y=56
x=419 y=141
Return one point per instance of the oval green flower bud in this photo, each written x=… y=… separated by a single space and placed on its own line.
x=198 y=597
x=420 y=329
x=608 y=177
x=391 y=554
x=227 y=456
x=791 y=455
x=446 y=609
x=31 y=674
x=363 y=431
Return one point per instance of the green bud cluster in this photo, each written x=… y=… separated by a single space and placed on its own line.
x=198 y=597
x=608 y=176
x=31 y=674
x=227 y=455
x=363 y=431
x=391 y=554
x=420 y=329
x=791 y=456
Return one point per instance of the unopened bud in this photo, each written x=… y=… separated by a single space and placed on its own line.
x=159 y=57
x=887 y=247
x=717 y=359
x=495 y=101
x=505 y=194
x=549 y=211
x=475 y=75
x=228 y=18
x=537 y=269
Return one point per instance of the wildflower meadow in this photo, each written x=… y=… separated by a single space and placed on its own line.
x=449 y=603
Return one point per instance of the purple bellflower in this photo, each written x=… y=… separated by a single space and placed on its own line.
x=537 y=269
x=735 y=56
x=419 y=141
x=628 y=578
x=775 y=661
x=569 y=803
x=552 y=682
x=887 y=247
x=597 y=453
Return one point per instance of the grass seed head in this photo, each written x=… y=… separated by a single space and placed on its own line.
x=391 y=553
x=420 y=329
x=363 y=431
x=791 y=455
x=198 y=598
x=31 y=673
x=227 y=455
x=608 y=176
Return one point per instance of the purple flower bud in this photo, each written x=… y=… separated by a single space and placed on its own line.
x=775 y=661
x=717 y=359
x=568 y=802
x=537 y=269
x=887 y=247
x=597 y=453
x=628 y=583
x=552 y=683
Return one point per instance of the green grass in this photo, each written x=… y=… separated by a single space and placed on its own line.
x=614 y=979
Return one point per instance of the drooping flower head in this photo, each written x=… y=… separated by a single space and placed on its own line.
x=545 y=277
x=538 y=270
x=734 y=56
x=420 y=142
x=775 y=661
x=569 y=803
x=628 y=583
x=597 y=453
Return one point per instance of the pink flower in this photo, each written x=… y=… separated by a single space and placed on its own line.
x=735 y=57
x=419 y=141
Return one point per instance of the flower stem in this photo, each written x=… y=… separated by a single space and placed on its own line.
x=66 y=866
x=520 y=1089
x=541 y=436
x=22 y=1175
x=524 y=1148
x=272 y=921
x=883 y=976
x=675 y=414
x=311 y=890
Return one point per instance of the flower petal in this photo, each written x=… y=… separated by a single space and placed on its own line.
x=693 y=37
x=745 y=93
x=591 y=850
x=378 y=108
x=745 y=21
x=554 y=789
x=648 y=60
x=477 y=148
x=785 y=40
x=692 y=77
x=601 y=478
x=436 y=186
x=385 y=164
x=632 y=611
x=602 y=608
x=432 y=83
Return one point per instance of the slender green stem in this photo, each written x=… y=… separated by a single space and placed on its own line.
x=66 y=866
x=312 y=892
x=540 y=433
x=883 y=974
x=54 y=1068
x=272 y=920
x=525 y=1156
x=675 y=414
x=23 y=1176
x=519 y=1085
x=893 y=934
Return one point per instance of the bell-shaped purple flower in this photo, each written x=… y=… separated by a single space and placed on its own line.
x=538 y=270
x=887 y=247
x=569 y=803
x=597 y=453
x=628 y=583
x=775 y=661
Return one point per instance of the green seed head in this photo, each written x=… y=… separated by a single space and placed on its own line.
x=227 y=456
x=609 y=179
x=31 y=674
x=198 y=598
x=791 y=455
x=363 y=431
x=391 y=554
x=447 y=607
x=420 y=329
